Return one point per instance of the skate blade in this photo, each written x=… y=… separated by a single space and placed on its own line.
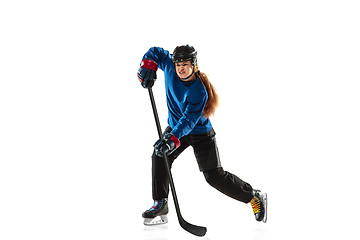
x=266 y=206
x=159 y=220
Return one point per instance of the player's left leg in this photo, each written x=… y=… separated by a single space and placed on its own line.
x=207 y=156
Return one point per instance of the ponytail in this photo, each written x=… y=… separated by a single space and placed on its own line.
x=213 y=99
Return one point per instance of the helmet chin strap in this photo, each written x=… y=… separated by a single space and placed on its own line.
x=188 y=76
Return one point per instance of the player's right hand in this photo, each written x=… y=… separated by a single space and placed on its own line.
x=147 y=73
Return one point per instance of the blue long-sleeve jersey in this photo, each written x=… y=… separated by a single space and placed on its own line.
x=186 y=100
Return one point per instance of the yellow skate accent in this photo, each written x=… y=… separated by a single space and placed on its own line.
x=255 y=204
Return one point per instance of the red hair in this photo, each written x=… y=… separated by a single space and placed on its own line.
x=213 y=98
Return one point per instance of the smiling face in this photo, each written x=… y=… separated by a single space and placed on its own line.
x=184 y=70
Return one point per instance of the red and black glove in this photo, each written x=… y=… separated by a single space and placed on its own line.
x=147 y=73
x=167 y=145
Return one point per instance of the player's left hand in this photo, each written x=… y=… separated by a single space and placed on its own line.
x=167 y=145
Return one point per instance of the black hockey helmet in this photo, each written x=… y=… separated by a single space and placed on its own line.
x=184 y=53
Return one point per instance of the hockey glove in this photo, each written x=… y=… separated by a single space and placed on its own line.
x=167 y=145
x=147 y=73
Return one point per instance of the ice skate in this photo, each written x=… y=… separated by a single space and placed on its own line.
x=156 y=215
x=159 y=220
x=259 y=205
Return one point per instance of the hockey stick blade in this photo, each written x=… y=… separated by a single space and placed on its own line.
x=193 y=229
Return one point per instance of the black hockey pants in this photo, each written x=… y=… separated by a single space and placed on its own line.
x=208 y=160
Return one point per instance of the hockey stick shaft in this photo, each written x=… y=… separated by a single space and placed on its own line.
x=196 y=230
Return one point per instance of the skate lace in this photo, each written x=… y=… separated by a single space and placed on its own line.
x=156 y=203
x=255 y=204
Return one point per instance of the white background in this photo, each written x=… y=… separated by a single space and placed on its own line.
x=77 y=130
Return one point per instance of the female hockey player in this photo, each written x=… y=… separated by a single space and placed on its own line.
x=191 y=100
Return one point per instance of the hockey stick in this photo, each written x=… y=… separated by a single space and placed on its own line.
x=196 y=230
